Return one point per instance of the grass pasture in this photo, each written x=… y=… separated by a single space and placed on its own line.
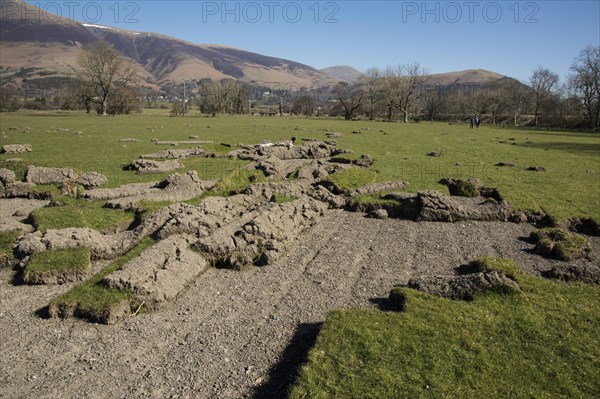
x=568 y=188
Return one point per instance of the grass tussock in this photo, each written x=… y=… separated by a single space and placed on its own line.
x=282 y=198
x=492 y=264
x=7 y=240
x=236 y=182
x=71 y=212
x=352 y=178
x=541 y=343
x=560 y=244
x=92 y=299
x=463 y=188
x=58 y=265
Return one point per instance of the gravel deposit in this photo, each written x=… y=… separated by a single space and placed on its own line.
x=235 y=334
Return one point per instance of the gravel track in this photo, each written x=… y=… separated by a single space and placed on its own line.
x=237 y=334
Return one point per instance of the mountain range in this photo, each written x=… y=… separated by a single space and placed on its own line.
x=47 y=45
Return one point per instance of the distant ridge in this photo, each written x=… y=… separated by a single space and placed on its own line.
x=342 y=73
x=52 y=44
x=48 y=46
x=469 y=76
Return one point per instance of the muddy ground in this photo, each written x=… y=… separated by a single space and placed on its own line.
x=238 y=334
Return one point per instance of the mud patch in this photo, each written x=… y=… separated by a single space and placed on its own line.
x=43 y=175
x=14 y=211
x=436 y=207
x=145 y=166
x=160 y=273
x=176 y=143
x=587 y=273
x=110 y=316
x=175 y=188
x=286 y=151
x=482 y=275
x=464 y=287
x=178 y=154
x=585 y=226
x=91 y=180
x=128 y=190
x=381 y=187
x=7 y=176
x=261 y=237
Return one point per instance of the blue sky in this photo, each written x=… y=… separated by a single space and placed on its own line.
x=508 y=37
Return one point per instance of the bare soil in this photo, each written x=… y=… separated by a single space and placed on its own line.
x=235 y=334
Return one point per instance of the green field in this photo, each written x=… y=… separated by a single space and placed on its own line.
x=539 y=342
x=569 y=187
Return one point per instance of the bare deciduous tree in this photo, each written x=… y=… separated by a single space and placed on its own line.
x=405 y=87
x=304 y=105
x=517 y=96
x=585 y=83
x=350 y=98
x=372 y=81
x=494 y=100
x=104 y=74
x=543 y=82
x=226 y=96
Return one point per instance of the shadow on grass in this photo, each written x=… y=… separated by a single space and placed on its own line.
x=554 y=132
x=283 y=374
x=586 y=148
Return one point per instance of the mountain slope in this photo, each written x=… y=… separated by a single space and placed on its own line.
x=52 y=43
x=467 y=77
x=48 y=45
x=342 y=73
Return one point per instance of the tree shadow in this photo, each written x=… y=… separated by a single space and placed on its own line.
x=283 y=374
x=561 y=133
x=585 y=148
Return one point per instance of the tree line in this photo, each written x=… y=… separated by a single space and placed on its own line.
x=107 y=84
x=404 y=92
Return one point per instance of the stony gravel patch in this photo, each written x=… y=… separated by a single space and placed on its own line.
x=233 y=333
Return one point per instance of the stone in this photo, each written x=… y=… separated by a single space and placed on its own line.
x=379 y=214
